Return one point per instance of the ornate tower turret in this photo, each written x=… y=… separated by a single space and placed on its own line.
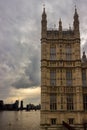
x=44 y=24
x=63 y=78
x=76 y=24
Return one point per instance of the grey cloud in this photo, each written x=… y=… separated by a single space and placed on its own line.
x=20 y=38
x=31 y=75
x=23 y=82
x=33 y=70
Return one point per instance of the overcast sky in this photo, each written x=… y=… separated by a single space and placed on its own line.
x=20 y=27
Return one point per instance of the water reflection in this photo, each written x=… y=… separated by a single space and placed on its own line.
x=20 y=120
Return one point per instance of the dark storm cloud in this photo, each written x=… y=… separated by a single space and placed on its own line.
x=31 y=71
x=23 y=82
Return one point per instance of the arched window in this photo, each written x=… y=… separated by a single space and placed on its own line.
x=53 y=53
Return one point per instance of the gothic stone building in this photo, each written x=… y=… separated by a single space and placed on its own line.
x=63 y=78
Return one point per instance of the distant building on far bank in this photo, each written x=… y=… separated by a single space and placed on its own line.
x=13 y=106
x=21 y=106
x=1 y=104
x=63 y=78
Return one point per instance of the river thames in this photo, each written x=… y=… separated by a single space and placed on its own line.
x=20 y=120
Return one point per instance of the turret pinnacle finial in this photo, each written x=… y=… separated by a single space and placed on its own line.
x=43 y=7
x=69 y=27
x=60 y=22
x=84 y=57
x=76 y=23
x=44 y=23
x=76 y=14
x=60 y=25
x=75 y=8
x=44 y=13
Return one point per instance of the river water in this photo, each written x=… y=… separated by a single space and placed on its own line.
x=20 y=120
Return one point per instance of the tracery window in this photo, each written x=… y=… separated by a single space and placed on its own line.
x=70 y=104
x=68 y=53
x=53 y=101
x=52 y=53
x=68 y=77
x=52 y=77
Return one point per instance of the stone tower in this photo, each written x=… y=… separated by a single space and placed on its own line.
x=63 y=77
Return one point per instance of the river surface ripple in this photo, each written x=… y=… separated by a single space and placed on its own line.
x=20 y=120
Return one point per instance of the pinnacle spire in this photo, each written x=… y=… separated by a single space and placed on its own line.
x=44 y=13
x=44 y=8
x=75 y=14
x=60 y=22
x=44 y=23
x=84 y=56
x=76 y=22
x=75 y=9
x=60 y=25
x=69 y=27
x=60 y=28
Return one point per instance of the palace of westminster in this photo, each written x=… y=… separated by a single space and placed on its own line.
x=63 y=78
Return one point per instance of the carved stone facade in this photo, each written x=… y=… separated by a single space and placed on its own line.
x=63 y=77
